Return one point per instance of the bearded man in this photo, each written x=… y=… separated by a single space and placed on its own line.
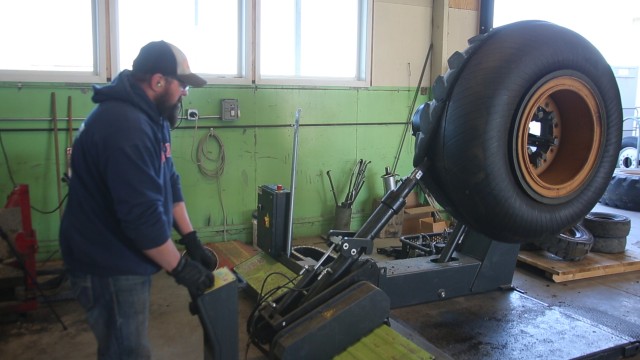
x=125 y=198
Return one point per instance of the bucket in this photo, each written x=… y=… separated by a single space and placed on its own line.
x=388 y=180
x=342 y=219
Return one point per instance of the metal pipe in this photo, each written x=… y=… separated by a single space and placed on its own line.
x=294 y=163
x=70 y=140
x=54 y=114
x=416 y=246
x=217 y=126
x=32 y=119
x=70 y=120
x=326 y=255
x=333 y=189
x=454 y=240
x=486 y=16
x=413 y=104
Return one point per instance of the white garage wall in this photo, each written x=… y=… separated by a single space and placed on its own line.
x=401 y=37
x=403 y=30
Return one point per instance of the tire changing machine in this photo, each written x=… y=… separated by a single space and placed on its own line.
x=337 y=303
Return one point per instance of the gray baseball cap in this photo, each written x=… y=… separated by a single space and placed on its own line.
x=160 y=57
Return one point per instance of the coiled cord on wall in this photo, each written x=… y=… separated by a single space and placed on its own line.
x=203 y=161
x=202 y=156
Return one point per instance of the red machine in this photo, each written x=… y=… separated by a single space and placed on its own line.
x=25 y=247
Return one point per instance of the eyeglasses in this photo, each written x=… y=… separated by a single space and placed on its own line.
x=183 y=86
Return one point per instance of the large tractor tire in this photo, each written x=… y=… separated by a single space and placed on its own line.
x=629 y=141
x=523 y=132
x=623 y=191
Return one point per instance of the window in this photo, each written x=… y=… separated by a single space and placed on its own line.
x=41 y=46
x=313 y=41
x=299 y=42
x=210 y=32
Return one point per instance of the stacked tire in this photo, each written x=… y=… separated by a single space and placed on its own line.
x=623 y=191
x=573 y=244
x=598 y=232
x=609 y=231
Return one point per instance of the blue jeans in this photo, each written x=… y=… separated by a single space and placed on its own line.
x=117 y=310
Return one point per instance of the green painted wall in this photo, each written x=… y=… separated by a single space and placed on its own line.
x=338 y=127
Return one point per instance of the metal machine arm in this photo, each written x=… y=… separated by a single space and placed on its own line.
x=318 y=279
x=352 y=248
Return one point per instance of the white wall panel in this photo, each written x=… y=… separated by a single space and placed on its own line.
x=401 y=37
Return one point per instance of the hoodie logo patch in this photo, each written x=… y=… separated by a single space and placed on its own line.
x=166 y=153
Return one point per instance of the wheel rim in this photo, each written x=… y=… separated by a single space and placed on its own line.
x=627 y=158
x=560 y=135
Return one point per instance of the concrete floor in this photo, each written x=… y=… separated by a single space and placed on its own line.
x=539 y=319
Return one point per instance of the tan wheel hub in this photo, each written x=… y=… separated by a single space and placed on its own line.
x=559 y=137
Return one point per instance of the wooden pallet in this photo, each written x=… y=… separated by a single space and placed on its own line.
x=592 y=265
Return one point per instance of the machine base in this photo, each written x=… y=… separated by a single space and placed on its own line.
x=335 y=325
x=479 y=265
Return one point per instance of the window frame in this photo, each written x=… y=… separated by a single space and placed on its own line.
x=244 y=77
x=100 y=58
x=106 y=53
x=363 y=69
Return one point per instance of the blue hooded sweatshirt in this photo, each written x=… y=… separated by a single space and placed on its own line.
x=123 y=185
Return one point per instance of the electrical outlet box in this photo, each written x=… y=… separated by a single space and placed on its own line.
x=192 y=114
x=230 y=110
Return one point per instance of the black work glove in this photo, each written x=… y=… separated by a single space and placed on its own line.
x=197 y=252
x=192 y=275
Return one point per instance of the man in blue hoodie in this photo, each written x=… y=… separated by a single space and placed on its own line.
x=124 y=200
